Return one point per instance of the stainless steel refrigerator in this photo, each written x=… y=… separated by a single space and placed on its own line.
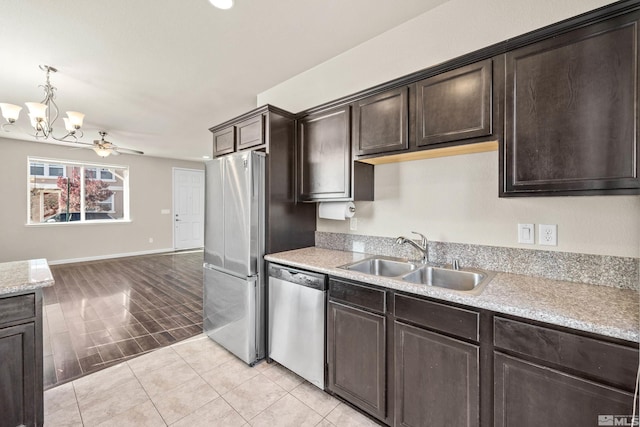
x=235 y=230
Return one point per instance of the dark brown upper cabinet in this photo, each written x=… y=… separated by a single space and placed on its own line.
x=455 y=105
x=224 y=141
x=326 y=170
x=381 y=122
x=252 y=130
x=571 y=124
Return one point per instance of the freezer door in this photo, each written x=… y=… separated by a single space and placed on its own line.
x=244 y=213
x=231 y=317
x=214 y=225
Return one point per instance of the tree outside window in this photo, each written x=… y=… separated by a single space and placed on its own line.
x=61 y=192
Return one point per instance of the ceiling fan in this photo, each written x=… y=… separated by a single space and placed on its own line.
x=105 y=148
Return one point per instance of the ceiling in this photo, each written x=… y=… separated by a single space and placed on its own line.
x=156 y=74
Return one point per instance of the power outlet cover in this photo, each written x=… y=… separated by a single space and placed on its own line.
x=548 y=234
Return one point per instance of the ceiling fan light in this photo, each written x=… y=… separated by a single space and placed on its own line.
x=37 y=110
x=75 y=119
x=222 y=4
x=101 y=151
x=10 y=112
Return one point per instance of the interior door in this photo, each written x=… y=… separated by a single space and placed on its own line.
x=188 y=208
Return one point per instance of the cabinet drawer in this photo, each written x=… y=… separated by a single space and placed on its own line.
x=452 y=320
x=613 y=363
x=361 y=296
x=17 y=308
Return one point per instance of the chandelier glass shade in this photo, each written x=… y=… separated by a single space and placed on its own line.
x=43 y=115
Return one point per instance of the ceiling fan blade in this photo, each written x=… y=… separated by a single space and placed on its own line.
x=128 y=150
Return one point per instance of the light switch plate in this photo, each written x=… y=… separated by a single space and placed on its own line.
x=548 y=234
x=526 y=234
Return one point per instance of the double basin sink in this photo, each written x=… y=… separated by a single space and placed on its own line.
x=466 y=280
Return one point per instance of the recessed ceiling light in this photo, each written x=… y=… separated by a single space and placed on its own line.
x=222 y=4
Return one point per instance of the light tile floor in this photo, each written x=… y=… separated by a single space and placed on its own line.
x=194 y=383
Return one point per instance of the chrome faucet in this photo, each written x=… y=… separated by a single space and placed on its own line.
x=423 y=247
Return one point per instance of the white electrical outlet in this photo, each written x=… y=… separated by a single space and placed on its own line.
x=150 y=239
x=548 y=234
x=526 y=234
x=353 y=223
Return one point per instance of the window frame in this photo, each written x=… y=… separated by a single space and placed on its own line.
x=98 y=167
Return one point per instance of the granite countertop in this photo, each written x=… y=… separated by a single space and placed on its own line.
x=21 y=276
x=602 y=310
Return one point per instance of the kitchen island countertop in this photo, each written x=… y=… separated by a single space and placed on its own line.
x=22 y=276
x=601 y=310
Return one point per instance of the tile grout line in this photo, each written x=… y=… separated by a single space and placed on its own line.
x=147 y=393
x=73 y=386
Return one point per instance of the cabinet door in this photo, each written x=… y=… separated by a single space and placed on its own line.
x=250 y=133
x=571 y=112
x=324 y=161
x=18 y=403
x=437 y=382
x=529 y=395
x=356 y=356
x=455 y=105
x=224 y=141
x=380 y=122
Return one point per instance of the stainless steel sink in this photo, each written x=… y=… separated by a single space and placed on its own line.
x=381 y=267
x=466 y=280
x=458 y=280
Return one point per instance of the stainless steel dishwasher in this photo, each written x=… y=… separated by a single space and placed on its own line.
x=296 y=323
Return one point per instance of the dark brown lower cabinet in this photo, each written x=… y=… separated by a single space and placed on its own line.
x=21 y=387
x=356 y=357
x=437 y=379
x=411 y=361
x=530 y=395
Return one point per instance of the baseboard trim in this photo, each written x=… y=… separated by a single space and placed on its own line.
x=110 y=256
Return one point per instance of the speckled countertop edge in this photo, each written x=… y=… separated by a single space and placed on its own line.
x=22 y=276
x=601 y=310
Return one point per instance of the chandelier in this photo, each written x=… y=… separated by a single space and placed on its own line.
x=44 y=114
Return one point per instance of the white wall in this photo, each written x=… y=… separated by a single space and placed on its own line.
x=456 y=199
x=150 y=182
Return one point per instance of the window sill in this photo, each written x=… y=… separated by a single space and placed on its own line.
x=92 y=222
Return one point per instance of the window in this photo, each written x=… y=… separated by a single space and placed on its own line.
x=99 y=173
x=46 y=169
x=61 y=191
